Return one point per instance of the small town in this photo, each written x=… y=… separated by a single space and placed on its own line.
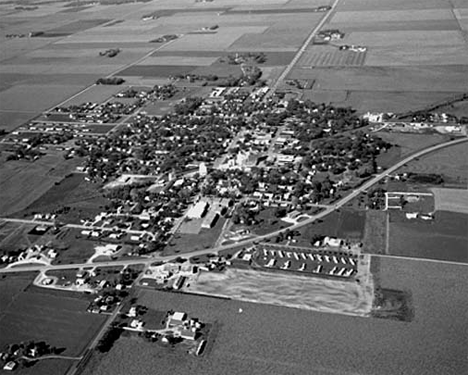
x=233 y=187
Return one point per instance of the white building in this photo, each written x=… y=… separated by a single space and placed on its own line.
x=198 y=210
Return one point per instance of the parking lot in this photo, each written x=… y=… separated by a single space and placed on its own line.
x=321 y=262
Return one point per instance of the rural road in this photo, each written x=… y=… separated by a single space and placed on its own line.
x=318 y=216
x=301 y=50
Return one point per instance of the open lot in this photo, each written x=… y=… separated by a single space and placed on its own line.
x=248 y=342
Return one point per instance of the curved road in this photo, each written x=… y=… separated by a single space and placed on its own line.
x=320 y=215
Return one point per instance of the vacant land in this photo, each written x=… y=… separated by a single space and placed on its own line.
x=444 y=238
x=453 y=200
x=248 y=342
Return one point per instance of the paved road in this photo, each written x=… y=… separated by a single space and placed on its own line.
x=301 y=50
x=248 y=242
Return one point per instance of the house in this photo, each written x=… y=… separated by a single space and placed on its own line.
x=188 y=334
x=177 y=319
x=333 y=242
x=132 y=313
x=10 y=366
x=411 y=215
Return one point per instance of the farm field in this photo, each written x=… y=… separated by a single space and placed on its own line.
x=406 y=144
x=414 y=48
x=453 y=200
x=444 y=238
x=38 y=314
x=11 y=120
x=329 y=343
x=15 y=182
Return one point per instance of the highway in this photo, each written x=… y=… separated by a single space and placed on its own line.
x=374 y=180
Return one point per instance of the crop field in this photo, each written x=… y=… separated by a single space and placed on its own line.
x=157 y=70
x=23 y=182
x=60 y=320
x=443 y=238
x=247 y=340
x=272 y=58
x=11 y=120
x=179 y=60
x=331 y=57
x=371 y=26
x=398 y=39
x=417 y=55
x=379 y=16
x=453 y=200
x=34 y=97
x=375 y=79
x=450 y=162
x=14 y=236
x=392 y=101
x=410 y=143
x=95 y=94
